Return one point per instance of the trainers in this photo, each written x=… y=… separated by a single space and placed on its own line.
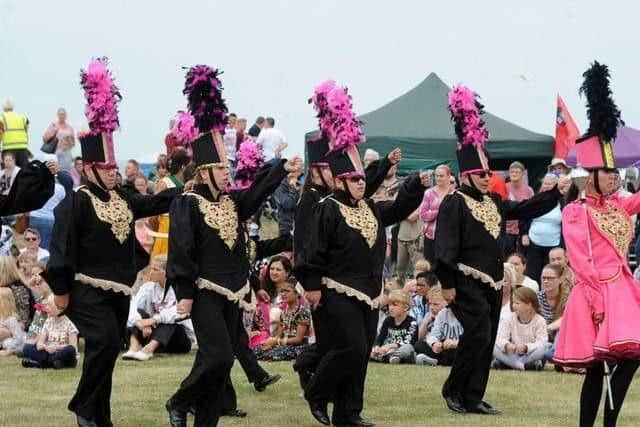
x=423 y=359
x=141 y=356
x=394 y=360
x=129 y=355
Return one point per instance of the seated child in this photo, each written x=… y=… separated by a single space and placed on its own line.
x=442 y=340
x=398 y=333
x=420 y=308
x=522 y=336
x=41 y=291
x=295 y=320
x=11 y=333
x=435 y=304
x=57 y=344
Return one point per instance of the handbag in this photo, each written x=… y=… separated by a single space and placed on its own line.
x=50 y=146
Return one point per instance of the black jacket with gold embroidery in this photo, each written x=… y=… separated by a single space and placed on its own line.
x=93 y=237
x=346 y=242
x=470 y=231
x=207 y=239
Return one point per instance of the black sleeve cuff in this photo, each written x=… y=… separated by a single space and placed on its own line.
x=312 y=283
x=59 y=281
x=185 y=289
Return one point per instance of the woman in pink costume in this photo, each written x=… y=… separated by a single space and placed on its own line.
x=601 y=321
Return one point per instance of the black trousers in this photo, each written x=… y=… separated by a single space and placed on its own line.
x=341 y=372
x=101 y=319
x=171 y=337
x=477 y=307
x=215 y=320
x=591 y=394
x=537 y=258
x=249 y=362
x=429 y=250
x=308 y=359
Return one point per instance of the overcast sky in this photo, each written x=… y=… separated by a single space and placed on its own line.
x=516 y=55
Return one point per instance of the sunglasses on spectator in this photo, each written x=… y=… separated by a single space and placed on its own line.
x=31 y=239
x=483 y=174
x=355 y=179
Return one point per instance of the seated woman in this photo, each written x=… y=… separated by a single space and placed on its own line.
x=510 y=278
x=291 y=337
x=153 y=322
x=267 y=315
x=552 y=299
x=11 y=331
x=520 y=264
x=57 y=344
x=522 y=336
x=10 y=278
x=41 y=292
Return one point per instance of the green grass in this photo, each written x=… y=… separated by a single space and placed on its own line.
x=395 y=396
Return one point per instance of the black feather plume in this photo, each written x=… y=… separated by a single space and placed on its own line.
x=603 y=114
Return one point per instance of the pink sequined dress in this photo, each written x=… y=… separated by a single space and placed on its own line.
x=597 y=232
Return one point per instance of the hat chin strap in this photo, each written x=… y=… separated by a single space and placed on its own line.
x=596 y=182
x=212 y=183
x=99 y=180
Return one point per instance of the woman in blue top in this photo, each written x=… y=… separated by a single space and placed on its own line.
x=543 y=233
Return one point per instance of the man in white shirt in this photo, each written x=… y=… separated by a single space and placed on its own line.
x=271 y=140
x=32 y=244
x=230 y=138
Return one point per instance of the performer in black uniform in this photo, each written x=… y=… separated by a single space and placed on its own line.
x=341 y=271
x=319 y=184
x=207 y=262
x=92 y=264
x=468 y=244
x=31 y=189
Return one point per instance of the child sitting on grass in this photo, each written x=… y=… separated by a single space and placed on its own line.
x=41 y=290
x=11 y=333
x=57 y=344
x=398 y=333
x=522 y=336
x=442 y=340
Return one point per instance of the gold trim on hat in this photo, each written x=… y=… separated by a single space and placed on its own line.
x=607 y=154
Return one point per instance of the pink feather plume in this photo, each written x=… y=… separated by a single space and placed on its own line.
x=250 y=160
x=336 y=118
x=466 y=112
x=102 y=97
x=184 y=128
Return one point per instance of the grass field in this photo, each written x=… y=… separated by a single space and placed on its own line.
x=396 y=396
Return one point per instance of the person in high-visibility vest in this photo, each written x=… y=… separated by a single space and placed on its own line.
x=13 y=133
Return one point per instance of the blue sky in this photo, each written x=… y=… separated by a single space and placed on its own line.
x=516 y=55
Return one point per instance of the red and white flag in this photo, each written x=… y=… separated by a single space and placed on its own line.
x=566 y=130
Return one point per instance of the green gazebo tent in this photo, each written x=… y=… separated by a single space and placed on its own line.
x=419 y=122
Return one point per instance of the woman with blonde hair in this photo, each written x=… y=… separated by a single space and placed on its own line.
x=11 y=332
x=508 y=283
x=10 y=278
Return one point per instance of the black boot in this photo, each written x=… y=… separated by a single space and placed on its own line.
x=234 y=413
x=455 y=404
x=177 y=416
x=83 y=422
x=261 y=385
x=355 y=421
x=319 y=412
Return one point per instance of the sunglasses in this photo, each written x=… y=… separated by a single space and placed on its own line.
x=355 y=179
x=31 y=239
x=483 y=174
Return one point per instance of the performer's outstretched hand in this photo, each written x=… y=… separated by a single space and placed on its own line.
x=395 y=156
x=52 y=166
x=184 y=307
x=293 y=164
x=313 y=297
x=61 y=301
x=598 y=318
x=449 y=295
x=564 y=183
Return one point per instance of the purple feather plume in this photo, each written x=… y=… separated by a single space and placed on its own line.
x=204 y=94
x=102 y=97
x=466 y=113
x=336 y=118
